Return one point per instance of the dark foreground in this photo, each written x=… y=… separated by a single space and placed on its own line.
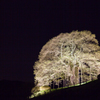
x=14 y=90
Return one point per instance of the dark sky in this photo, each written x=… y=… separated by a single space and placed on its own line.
x=27 y=25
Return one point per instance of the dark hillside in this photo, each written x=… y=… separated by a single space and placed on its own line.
x=14 y=90
x=89 y=91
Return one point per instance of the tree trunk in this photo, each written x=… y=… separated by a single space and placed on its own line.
x=73 y=75
x=53 y=84
x=90 y=73
x=81 y=73
x=63 y=83
x=78 y=76
x=81 y=76
x=65 y=79
x=58 y=80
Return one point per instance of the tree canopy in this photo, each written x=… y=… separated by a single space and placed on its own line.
x=69 y=57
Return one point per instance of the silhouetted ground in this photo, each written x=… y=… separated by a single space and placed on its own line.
x=14 y=90
x=89 y=91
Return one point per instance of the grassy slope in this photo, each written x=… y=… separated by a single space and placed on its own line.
x=89 y=91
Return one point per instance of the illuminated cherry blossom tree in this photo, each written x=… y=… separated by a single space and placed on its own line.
x=67 y=56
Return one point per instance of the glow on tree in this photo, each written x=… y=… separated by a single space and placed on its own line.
x=66 y=56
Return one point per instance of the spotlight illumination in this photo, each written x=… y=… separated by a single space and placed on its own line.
x=69 y=59
x=43 y=92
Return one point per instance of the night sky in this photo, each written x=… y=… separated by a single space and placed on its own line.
x=27 y=25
